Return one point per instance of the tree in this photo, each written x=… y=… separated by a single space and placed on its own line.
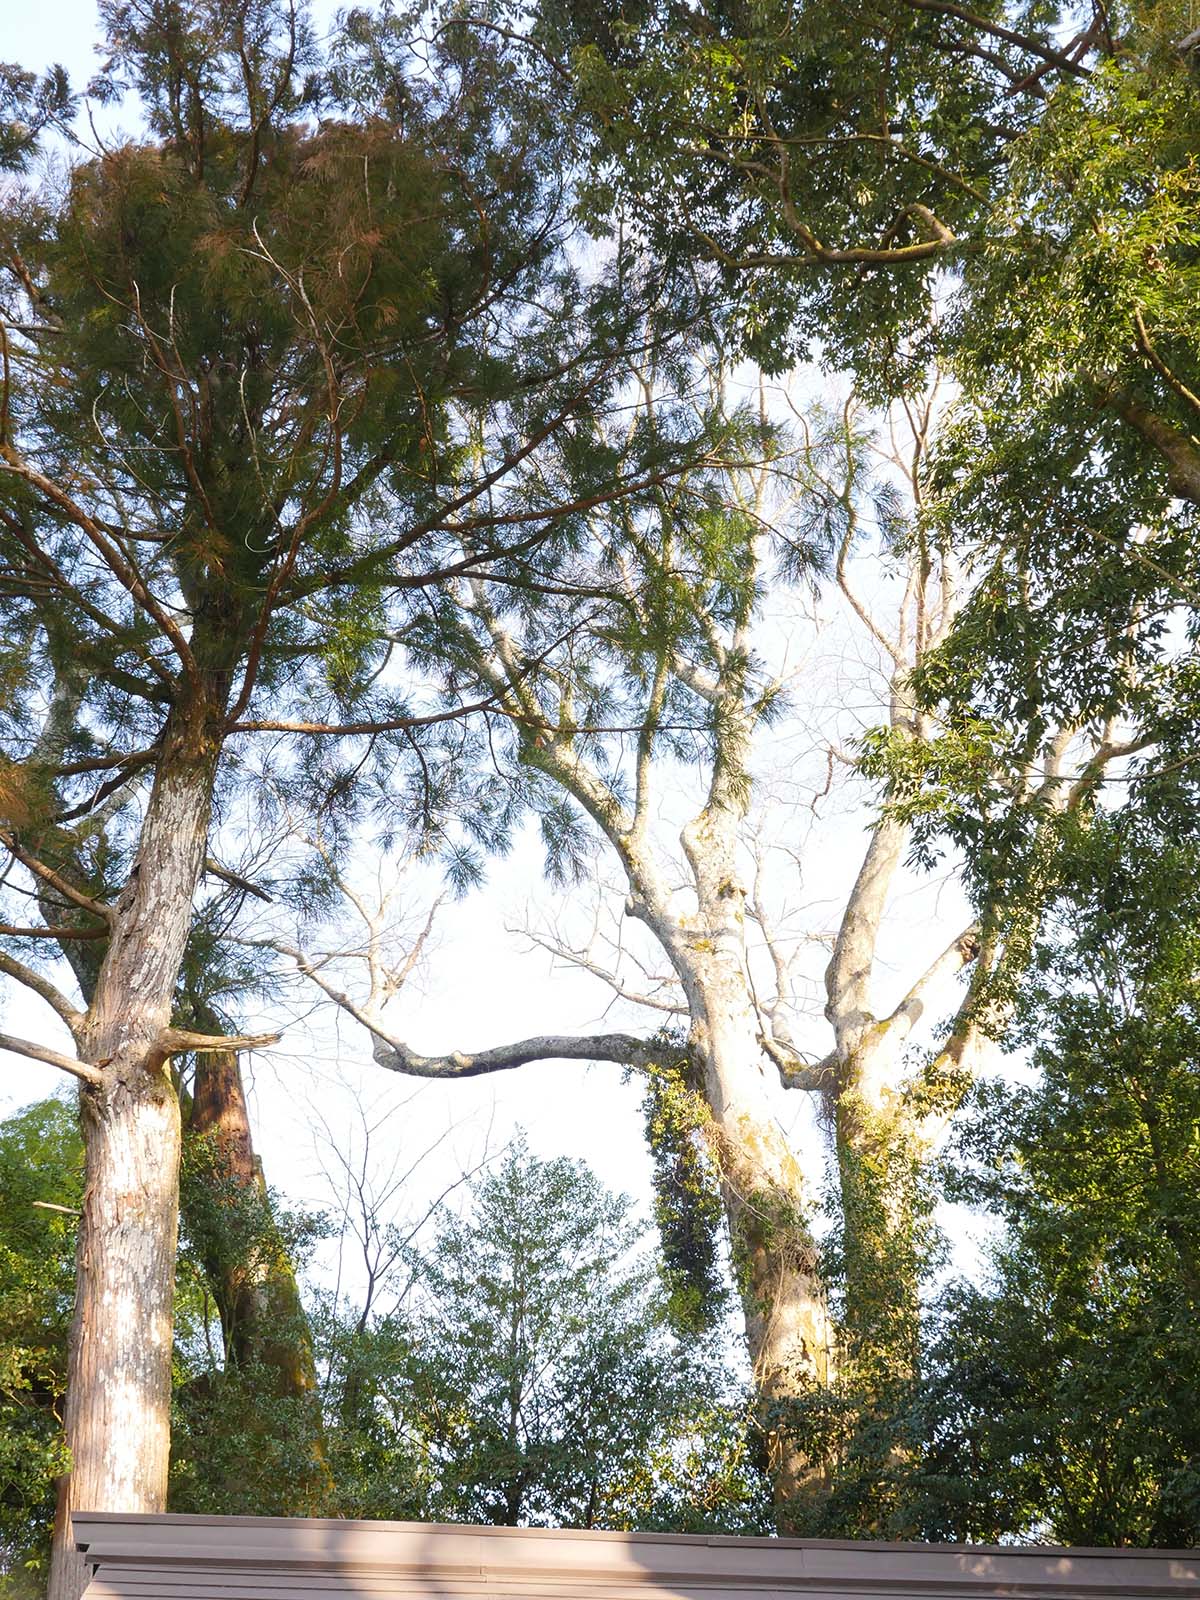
x=247 y=395
x=541 y=1297
x=264 y=1385
x=1004 y=193
x=536 y=1376
x=1007 y=194
x=844 y=170
x=222 y=1402
x=1062 y=1392
x=671 y=659
x=247 y=1429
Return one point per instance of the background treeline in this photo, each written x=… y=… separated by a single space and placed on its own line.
x=518 y=1368
x=402 y=444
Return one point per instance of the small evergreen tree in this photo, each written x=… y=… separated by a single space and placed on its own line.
x=536 y=1379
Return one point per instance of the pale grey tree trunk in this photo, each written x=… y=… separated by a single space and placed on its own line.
x=119 y=1363
x=119 y=1373
x=789 y=1336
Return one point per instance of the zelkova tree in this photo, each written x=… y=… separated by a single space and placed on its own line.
x=670 y=644
x=1005 y=191
x=265 y=370
x=844 y=169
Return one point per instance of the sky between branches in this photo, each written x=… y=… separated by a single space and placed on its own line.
x=482 y=983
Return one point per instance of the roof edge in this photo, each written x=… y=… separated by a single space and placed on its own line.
x=101 y=1521
x=459 y=1562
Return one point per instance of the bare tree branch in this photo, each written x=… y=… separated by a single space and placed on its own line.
x=55 y=879
x=37 y=1052
x=216 y=870
x=621 y=1047
x=41 y=985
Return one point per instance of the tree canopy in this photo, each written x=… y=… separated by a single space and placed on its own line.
x=401 y=441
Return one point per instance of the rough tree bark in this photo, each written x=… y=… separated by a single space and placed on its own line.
x=246 y=1262
x=258 y=1299
x=883 y=1123
x=119 y=1365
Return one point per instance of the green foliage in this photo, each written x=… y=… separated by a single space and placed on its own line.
x=531 y=1375
x=687 y=1198
x=29 y=105
x=246 y=1435
x=41 y=1166
x=240 y=1448
x=540 y=1375
x=1084 y=1345
x=1056 y=1396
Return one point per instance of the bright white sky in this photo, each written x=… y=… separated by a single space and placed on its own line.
x=483 y=985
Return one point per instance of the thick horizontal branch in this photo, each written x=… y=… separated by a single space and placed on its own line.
x=396 y=1056
x=817 y=253
x=37 y=1052
x=622 y=1047
x=126 y=758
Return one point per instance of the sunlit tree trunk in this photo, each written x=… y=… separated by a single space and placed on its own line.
x=119 y=1364
x=788 y=1332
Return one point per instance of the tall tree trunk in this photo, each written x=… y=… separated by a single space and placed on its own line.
x=875 y=1132
x=119 y=1372
x=248 y=1266
x=119 y=1364
x=257 y=1296
x=788 y=1331
x=879 y=1153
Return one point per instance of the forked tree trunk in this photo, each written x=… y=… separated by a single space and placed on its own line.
x=119 y=1363
x=788 y=1331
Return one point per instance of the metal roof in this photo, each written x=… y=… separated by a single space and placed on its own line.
x=285 y=1558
